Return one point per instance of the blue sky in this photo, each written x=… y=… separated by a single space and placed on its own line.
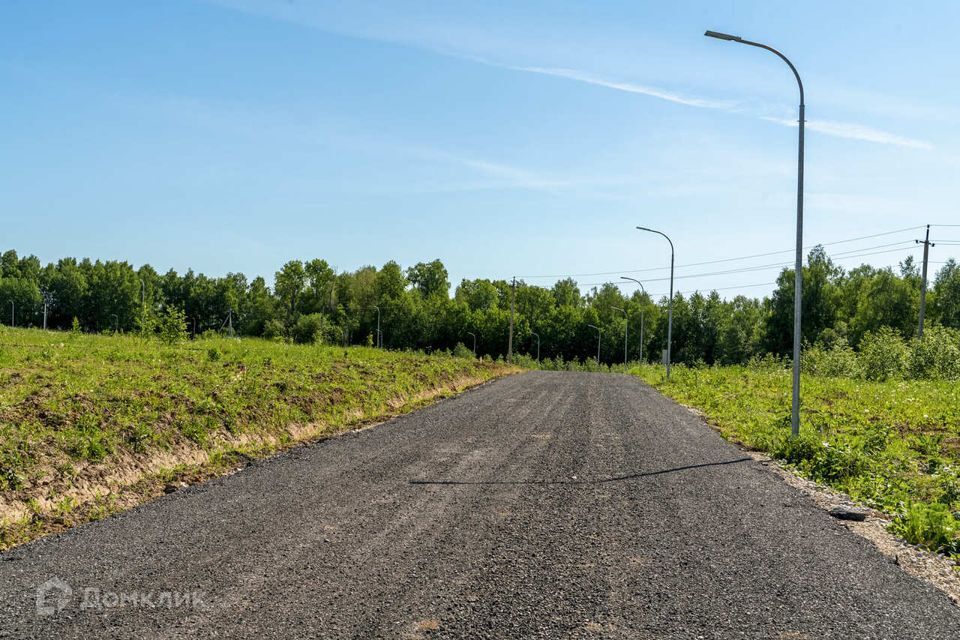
x=504 y=138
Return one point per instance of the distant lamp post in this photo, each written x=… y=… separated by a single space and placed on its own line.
x=599 y=333
x=670 y=302
x=379 y=335
x=626 y=326
x=798 y=269
x=538 y=343
x=470 y=333
x=641 y=313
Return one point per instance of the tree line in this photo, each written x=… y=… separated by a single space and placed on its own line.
x=308 y=301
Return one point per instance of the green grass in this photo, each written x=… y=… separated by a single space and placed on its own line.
x=894 y=446
x=75 y=409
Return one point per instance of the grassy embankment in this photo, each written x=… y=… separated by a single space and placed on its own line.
x=894 y=446
x=90 y=425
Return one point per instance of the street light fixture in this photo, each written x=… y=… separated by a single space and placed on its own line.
x=626 y=326
x=669 y=302
x=798 y=269
x=641 y=312
x=599 y=333
x=470 y=333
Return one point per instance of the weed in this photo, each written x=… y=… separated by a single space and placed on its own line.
x=887 y=444
x=930 y=525
x=95 y=398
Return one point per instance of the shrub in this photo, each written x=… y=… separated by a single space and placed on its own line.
x=767 y=362
x=884 y=355
x=936 y=356
x=309 y=329
x=824 y=461
x=172 y=325
x=273 y=329
x=839 y=361
x=796 y=450
x=461 y=351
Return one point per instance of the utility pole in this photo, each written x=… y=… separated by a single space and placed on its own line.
x=599 y=333
x=626 y=327
x=47 y=300
x=513 y=295
x=923 y=280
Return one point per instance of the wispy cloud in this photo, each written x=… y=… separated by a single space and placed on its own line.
x=847 y=130
x=450 y=41
x=501 y=175
x=854 y=131
x=629 y=87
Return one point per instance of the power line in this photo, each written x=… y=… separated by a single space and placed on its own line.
x=762 y=267
x=744 y=286
x=773 y=265
x=756 y=255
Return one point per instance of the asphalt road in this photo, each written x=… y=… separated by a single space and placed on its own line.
x=555 y=505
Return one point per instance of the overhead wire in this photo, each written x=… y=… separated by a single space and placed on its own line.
x=774 y=265
x=733 y=259
x=762 y=267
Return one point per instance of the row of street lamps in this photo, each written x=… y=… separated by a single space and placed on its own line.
x=798 y=266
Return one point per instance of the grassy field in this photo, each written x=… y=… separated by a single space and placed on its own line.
x=894 y=446
x=90 y=425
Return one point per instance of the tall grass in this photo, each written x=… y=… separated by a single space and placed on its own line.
x=893 y=445
x=76 y=408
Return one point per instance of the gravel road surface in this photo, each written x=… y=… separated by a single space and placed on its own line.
x=553 y=505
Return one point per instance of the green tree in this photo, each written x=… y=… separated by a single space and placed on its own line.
x=288 y=285
x=429 y=278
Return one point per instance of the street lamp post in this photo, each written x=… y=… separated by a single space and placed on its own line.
x=379 y=335
x=599 y=333
x=641 y=313
x=798 y=269
x=470 y=333
x=538 y=344
x=626 y=327
x=670 y=302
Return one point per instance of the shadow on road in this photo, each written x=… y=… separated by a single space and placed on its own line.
x=644 y=474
